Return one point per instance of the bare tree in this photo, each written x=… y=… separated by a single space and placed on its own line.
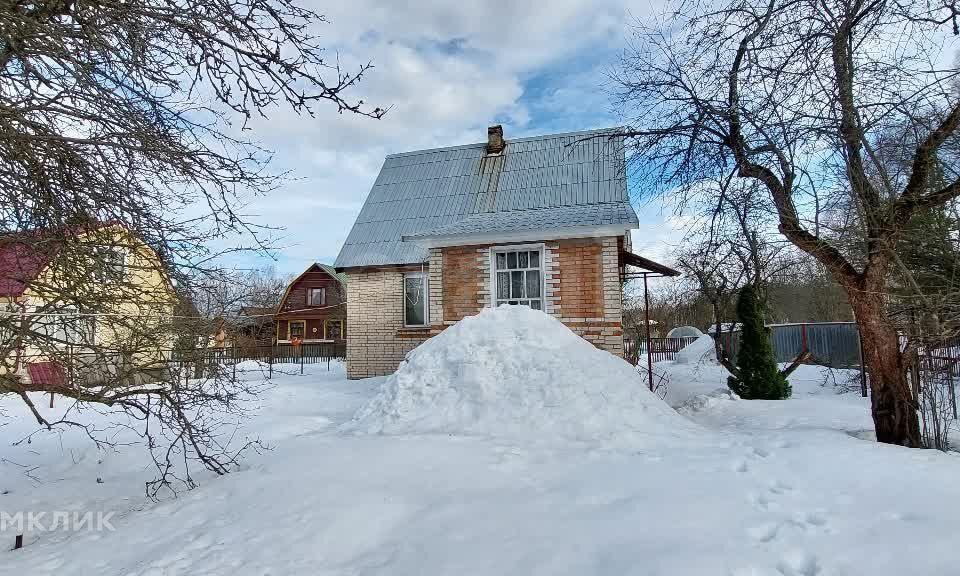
x=731 y=247
x=706 y=265
x=123 y=167
x=796 y=96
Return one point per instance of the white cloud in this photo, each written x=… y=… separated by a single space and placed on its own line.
x=447 y=70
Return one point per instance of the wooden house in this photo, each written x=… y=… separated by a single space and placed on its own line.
x=313 y=307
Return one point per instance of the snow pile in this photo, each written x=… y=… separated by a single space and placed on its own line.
x=700 y=351
x=706 y=402
x=519 y=373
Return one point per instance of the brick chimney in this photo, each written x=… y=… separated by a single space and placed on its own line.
x=495 y=141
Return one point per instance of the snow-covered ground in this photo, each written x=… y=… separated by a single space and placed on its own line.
x=723 y=486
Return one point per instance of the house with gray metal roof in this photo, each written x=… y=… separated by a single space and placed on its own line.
x=541 y=221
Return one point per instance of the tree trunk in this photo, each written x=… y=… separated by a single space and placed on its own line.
x=893 y=406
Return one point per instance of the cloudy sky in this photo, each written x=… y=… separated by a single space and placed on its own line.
x=447 y=70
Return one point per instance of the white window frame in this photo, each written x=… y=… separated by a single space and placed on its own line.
x=494 y=250
x=323 y=296
x=68 y=327
x=426 y=299
x=8 y=323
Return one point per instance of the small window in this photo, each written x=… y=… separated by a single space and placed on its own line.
x=117 y=263
x=334 y=330
x=415 y=299
x=111 y=265
x=518 y=277
x=296 y=330
x=317 y=297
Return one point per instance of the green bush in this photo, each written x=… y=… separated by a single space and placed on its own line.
x=758 y=377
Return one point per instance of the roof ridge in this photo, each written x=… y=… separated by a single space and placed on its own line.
x=534 y=209
x=612 y=130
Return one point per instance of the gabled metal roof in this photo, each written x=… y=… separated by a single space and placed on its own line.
x=555 y=181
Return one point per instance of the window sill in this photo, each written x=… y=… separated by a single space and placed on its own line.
x=414 y=332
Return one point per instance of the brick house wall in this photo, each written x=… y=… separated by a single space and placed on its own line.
x=377 y=340
x=581 y=288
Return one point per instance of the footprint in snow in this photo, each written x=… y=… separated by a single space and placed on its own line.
x=780 y=488
x=760 y=453
x=813 y=519
x=760 y=502
x=763 y=533
x=799 y=563
x=754 y=454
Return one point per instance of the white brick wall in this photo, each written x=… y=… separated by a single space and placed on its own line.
x=483 y=285
x=374 y=318
x=551 y=275
x=436 y=286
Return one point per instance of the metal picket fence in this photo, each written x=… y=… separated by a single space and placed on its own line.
x=831 y=344
x=308 y=353
x=934 y=373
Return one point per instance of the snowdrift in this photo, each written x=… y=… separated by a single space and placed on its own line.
x=516 y=372
x=700 y=351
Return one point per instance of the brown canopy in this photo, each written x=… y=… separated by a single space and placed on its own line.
x=647 y=264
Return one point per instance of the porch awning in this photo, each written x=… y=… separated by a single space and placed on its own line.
x=646 y=264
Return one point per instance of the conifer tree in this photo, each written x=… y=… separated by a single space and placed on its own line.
x=758 y=377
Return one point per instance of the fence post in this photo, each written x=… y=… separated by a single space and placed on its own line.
x=271 y=362
x=300 y=349
x=646 y=320
x=233 y=352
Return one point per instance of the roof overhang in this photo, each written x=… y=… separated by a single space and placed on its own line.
x=444 y=240
x=649 y=266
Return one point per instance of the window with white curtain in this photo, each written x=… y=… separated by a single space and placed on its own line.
x=518 y=276
x=317 y=297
